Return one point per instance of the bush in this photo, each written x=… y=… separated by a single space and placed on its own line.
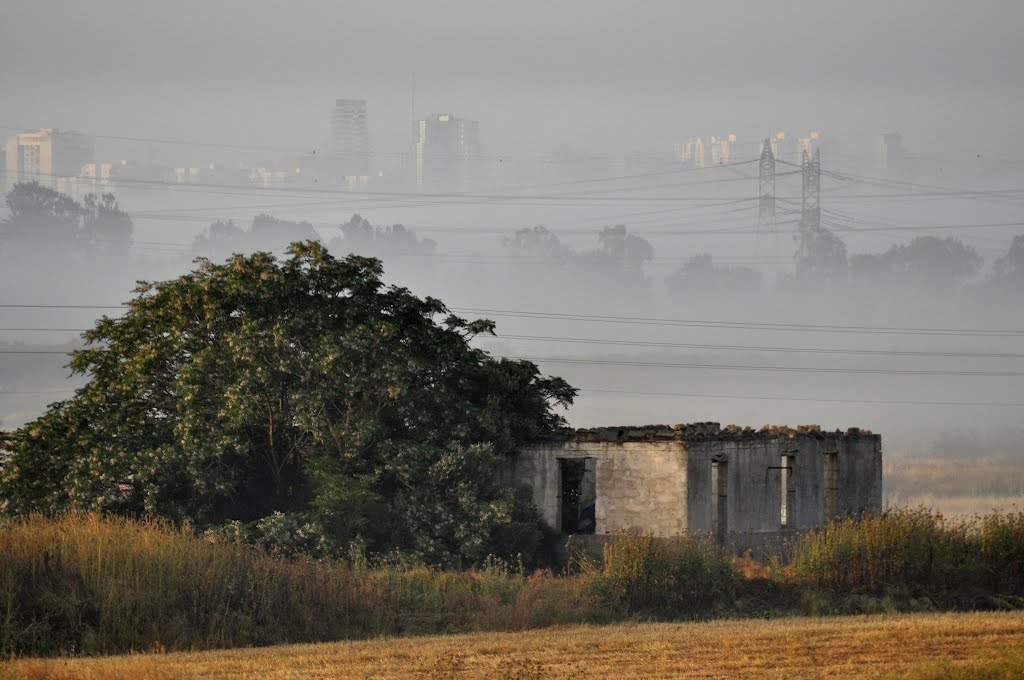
x=665 y=577
x=83 y=584
x=280 y=534
x=915 y=554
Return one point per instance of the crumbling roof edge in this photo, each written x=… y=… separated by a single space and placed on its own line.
x=702 y=432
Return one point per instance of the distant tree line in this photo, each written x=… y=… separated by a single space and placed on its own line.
x=42 y=220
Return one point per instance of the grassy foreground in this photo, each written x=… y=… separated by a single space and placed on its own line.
x=83 y=584
x=989 y=644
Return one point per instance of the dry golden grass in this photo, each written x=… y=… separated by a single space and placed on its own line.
x=998 y=477
x=955 y=487
x=875 y=646
x=960 y=506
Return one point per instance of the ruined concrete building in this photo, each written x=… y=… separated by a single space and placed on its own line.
x=747 y=486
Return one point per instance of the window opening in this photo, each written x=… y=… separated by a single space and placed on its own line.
x=720 y=498
x=788 y=485
x=831 y=485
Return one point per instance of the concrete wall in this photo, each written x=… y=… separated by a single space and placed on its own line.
x=860 y=476
x=809 y=475
x=664 y=486
x=753 y=488
x=640 y=486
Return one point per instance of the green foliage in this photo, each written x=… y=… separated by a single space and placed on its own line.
x=302 y=386
x=287 y=535
x=677 y=577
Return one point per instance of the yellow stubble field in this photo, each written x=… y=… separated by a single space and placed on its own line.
x=910 y=645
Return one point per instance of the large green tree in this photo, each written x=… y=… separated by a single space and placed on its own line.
x=302 y=386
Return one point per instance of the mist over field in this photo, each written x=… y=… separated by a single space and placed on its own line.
x=609 y=246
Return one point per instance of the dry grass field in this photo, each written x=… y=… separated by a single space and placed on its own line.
x=914 y=645
x=960 y=506
x=955 y=487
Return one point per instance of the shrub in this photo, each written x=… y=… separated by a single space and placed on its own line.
x=916 y=553
x=83 y=584
x=665 y=577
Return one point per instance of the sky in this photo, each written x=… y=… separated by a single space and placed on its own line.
x=603 y=76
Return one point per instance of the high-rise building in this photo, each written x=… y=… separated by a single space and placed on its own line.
x=721 y=149
x=808 y=143
x=889 y=151
x=692 y=152
x=350 y=137
x=443 y=147
x=814 y=141
x=695 y=151
x=46 y=156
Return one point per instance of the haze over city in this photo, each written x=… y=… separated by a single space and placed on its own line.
x=466 y=122
x=519 y=339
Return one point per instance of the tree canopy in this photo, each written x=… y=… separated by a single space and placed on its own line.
x=304 y=386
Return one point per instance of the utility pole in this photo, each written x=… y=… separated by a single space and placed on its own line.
x=766 y=194
x=810 y=207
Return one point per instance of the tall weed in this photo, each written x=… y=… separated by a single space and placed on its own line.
x=972 y=562
x=678 y=577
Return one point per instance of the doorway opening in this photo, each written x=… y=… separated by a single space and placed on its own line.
x=579 y=496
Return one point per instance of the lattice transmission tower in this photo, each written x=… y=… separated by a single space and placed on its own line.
x=766 y=195
x=810 y=206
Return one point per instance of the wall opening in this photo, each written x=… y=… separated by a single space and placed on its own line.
x=579 y=495
x=720 y=499
x=831 y=499
x=788 y=486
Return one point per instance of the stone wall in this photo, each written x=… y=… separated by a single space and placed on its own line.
x=640 y=486
x=658 y=479
x=755 y=480
x=753 y=488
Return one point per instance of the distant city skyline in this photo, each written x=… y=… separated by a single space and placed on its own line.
x=47 y=156
x=443 y=145
x=350 y=137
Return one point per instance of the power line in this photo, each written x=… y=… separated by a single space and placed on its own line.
x=34 y=351
x=680 y=345
x=796 y=369
x=698 y=366
x=708 y=323
x=813 y=399
x=313 y=151
x=746 y=325
x=7 y=306
x=697 y=395
x=761 y=348
x=361 y=195
x=485 y=198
